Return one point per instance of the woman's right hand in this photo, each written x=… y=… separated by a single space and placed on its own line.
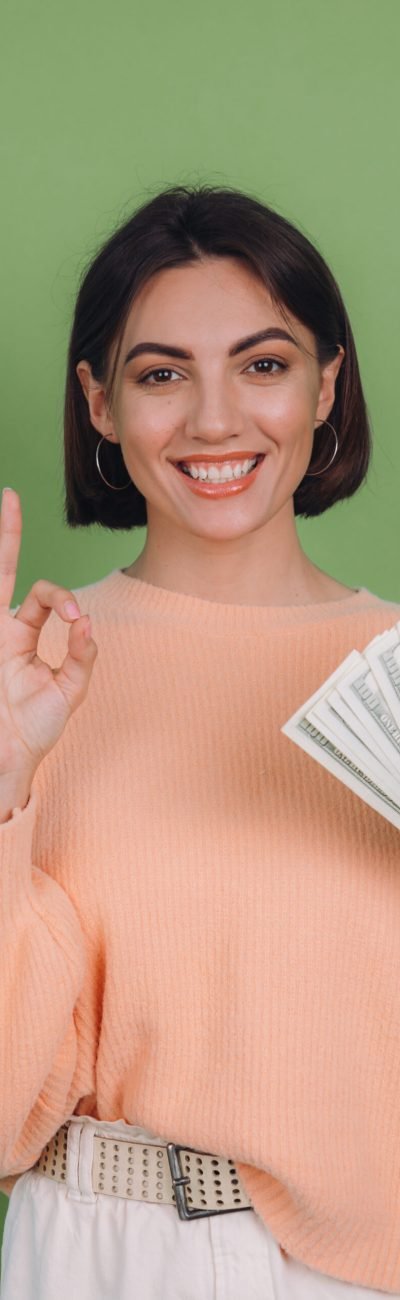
x=36 y=701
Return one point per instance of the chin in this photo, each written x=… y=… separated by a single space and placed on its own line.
x=227 y=531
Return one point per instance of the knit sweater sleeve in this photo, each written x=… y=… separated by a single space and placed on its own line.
x=42 y=967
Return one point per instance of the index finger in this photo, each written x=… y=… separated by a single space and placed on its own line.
x=10 y=541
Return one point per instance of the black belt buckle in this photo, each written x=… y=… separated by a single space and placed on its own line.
x=179 y=1181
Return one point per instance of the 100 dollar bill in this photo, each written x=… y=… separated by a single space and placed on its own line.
x=332 y=757
x=383 y=656
x=355 y=737
x=346 y=739
x=360 y=691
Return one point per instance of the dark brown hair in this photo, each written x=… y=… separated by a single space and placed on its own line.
x=183 y=225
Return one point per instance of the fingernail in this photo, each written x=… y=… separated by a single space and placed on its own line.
x=71 y=609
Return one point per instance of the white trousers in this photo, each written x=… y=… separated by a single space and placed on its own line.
x=117 y=1249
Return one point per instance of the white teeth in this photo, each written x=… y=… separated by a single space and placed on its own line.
x=214 y=474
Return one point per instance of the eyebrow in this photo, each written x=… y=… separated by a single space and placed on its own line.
x=169 y=350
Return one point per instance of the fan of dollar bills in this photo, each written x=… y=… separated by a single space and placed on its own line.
x=352 y=724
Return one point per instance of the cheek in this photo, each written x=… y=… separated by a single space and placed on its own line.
x=142 y=435
x=285 y=411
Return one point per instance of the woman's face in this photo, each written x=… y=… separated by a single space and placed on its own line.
x=219 y=406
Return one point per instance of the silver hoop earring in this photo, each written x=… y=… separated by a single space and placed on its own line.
x=322 y=471
x=105 y=480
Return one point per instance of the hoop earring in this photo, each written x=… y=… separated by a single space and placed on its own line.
x=322 y=471
x=105 y=480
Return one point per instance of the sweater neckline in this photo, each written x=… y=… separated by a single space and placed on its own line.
x=133 y=593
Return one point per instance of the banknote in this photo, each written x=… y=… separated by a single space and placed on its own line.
x=336 y=730
x=351 y=724
x=383 y=657
x=358 y=688
x=342 y=709
x=340 y=765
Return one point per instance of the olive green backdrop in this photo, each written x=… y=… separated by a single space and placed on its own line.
x=297 y=102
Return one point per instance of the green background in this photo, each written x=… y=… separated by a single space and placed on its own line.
x=296 y=102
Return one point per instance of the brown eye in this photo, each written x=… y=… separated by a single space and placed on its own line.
x=268 y=361
x=159 y=371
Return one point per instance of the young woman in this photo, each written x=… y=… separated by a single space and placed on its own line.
x=200 y=925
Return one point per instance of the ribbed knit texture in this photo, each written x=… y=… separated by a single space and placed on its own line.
x=200 y=926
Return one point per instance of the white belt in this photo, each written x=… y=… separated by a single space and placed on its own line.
x=195 y=1182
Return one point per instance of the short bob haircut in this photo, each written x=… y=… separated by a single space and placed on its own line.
x=180 y=226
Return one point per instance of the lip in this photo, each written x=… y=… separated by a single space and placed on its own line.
x=218 y=490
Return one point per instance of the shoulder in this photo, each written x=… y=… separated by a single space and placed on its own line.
x=366 y=617
x=380 y=604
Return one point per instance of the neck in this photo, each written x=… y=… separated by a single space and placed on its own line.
x=264 y=567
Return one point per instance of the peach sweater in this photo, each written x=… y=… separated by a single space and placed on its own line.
x=200 y=926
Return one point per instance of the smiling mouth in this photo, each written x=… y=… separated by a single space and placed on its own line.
x=214 y=470
x=217 y=478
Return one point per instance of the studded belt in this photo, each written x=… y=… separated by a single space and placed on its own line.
x=195 y=1182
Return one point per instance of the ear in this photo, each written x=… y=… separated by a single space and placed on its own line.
x=329 y=375
x=96 y=399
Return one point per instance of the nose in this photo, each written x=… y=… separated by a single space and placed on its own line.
x=214 y=416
